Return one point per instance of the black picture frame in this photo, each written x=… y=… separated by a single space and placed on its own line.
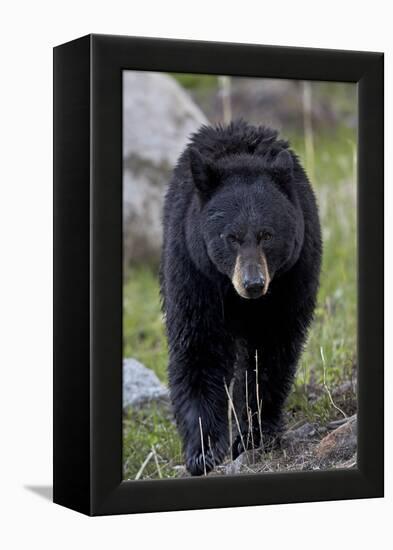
x=88 y=274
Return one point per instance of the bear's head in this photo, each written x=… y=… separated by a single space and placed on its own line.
x=251 y=221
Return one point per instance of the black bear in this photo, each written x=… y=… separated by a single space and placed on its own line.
x=239 y=277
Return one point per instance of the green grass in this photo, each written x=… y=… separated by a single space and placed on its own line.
x=194 y=82
x=333 y=330
x=143 y=328
x=150 y=430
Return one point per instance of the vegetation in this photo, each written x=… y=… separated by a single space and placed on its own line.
x=194 y=82
x=150 y=430
x=329 y=357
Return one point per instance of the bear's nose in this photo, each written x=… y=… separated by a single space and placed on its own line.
x=254 y=285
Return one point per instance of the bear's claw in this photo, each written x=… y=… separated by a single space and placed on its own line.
x=271 y=439
x=202 y=463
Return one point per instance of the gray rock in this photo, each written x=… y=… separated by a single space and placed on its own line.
x=337 y=423
x=158 y=118
x=244 y=462
x=299 y=436
x=234 y=467
x=141 y=385
x=341 y=443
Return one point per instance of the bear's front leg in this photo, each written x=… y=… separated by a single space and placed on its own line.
x=270 y=373
x=197 y=379
x=201 y=360
x=271 y=364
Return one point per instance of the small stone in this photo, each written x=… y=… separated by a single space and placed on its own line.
x=141 y=385
x=305 y=431
x=337 y=423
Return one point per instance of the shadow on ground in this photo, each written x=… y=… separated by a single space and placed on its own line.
x=44 y=491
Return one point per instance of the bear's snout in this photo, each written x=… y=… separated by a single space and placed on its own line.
x=253 y=281
x=251 y=277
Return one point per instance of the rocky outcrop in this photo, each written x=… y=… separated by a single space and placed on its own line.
x=141 y=385
x=308 y=447
x=158 y=118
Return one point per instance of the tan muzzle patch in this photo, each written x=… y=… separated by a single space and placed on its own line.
x=237 y=277
x=265 y=273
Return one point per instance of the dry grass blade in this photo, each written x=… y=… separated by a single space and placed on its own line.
x=210 y=448
x=235 y=415
x=308 y=129
x=250 y=432
x=203 y=446
x=326 y=386
x=259 y=402
x=230 y=417
x=156 y=461
x=225 y=89
x=144 y=464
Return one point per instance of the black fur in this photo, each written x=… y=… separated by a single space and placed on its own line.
x=231 y=185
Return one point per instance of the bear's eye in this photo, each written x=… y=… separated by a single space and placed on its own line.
x=264 y=236
x=235 y=239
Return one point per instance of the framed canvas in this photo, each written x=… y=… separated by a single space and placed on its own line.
x=137 y=119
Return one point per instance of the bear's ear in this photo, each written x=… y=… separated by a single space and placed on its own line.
x=204 y=173
x=282 y=166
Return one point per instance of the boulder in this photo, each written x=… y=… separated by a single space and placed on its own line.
x=301 y=437
x=141 y=385
x=340 y=444
x=303 y=432
x=158 y=119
